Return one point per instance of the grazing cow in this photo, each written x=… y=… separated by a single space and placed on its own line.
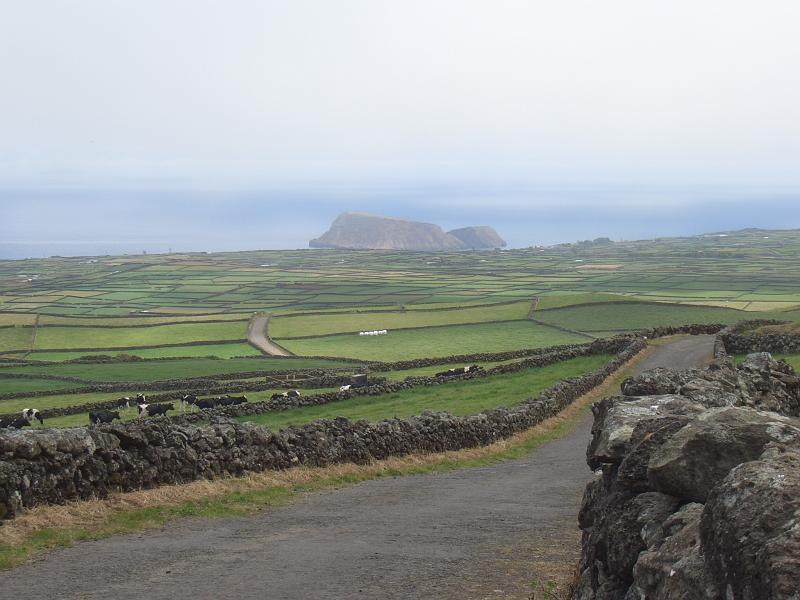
x=189 y=399
x=293 y=393
x=103 y=416
x=142 y=408
x=206 y=404
x=33 y=413
x=344 y=388
x=232 y=400
x=158 y=409
x=141 y=399
x=124 y=402
x=14 y=423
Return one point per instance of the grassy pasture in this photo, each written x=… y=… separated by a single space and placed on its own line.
x=16 y=338
x=281 y=327
x=173 y=369
x=458 y=398
x=201 y=350
x=435 y=341
x=702 y=278
x=632 y=315
x=96 y=337
x=8 y=386
x=135 y=321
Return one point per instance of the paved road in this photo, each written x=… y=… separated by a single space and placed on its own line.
x=475 y=533
x=257 y=335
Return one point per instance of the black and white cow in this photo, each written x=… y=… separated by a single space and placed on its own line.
x=103 y=416
x=345 y=388
x=206 y=404
x=158 y=409
x=14 y=423
x=124 y=402
x=32 y=413
x=231 y=400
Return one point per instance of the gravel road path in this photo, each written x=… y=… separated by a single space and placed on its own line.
x=475 y=533
x=257 y=335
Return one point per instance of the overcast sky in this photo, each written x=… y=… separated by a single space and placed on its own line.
x=400 y=107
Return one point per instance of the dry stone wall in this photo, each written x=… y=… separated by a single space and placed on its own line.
x=51 y=466
x=696 y=489
x=737 y=340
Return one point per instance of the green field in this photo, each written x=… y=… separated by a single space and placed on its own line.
x=120 y=337
x=435 y=341
x=200 y=350
x=177 y=369
x=316 y=325
x=628 y=316
x=458 y=398
x=433 y=304
x=8 y=386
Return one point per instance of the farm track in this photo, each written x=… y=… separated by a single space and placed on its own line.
x=257 y=336
x=483 y=532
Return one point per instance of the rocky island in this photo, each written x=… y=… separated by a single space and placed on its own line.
x=362 y=231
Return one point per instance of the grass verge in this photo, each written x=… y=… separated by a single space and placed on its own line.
x=47 y=527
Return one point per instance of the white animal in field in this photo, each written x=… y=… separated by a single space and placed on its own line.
x=344 y=388
x=32 y=413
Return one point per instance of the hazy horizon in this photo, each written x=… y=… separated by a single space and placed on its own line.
x=207 y=126
x=184 y=220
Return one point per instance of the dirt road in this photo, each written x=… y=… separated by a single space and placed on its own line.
x=257 y=335
x=475 y=533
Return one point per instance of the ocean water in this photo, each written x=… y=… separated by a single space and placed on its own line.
x=81 y=222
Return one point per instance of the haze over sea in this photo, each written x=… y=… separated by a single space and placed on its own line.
x=152 y=220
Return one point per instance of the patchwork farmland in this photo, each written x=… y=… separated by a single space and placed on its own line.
x=74 y=331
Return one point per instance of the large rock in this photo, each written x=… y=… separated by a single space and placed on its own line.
x=672 y=566
x=750 y=529
x=616 y=418
x=696 y=492
x=361 y=231
x=698 y=456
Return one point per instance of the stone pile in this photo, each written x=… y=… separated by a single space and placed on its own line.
x=696 y=492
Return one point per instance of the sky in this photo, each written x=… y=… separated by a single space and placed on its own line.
x=197 y=125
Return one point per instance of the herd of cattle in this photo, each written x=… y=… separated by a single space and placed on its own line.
x=151 y=410
x=459 y=371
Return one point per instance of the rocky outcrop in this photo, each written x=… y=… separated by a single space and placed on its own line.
x=361 y=231
x=696 y=491
x=478 y=237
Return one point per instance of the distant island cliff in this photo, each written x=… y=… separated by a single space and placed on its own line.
x=361 y=231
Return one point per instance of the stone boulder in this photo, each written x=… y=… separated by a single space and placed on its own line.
x=699 y=456
x=696 y=488
x=750 y=530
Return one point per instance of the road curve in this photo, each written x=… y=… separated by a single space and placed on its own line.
x=474 y=533
x=257 y=336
